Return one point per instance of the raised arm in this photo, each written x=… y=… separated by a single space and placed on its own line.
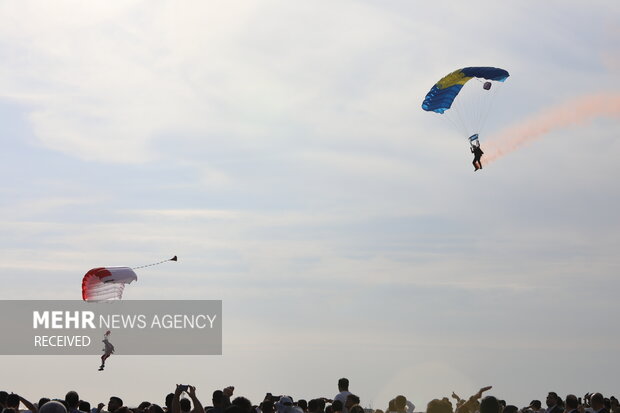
x=470 y=402
x=197 y=405
x=28 y=405
x=176 y=405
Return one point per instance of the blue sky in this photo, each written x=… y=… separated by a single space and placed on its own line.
x=280 y=150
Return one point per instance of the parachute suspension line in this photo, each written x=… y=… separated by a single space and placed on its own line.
x=155 y=263
x=477 y=100
x=458 y=125
x=489 y=104
x=461 y=112
x=479 y=107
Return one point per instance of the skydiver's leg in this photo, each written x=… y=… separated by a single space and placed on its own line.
x=477 y=163
x=103 y=359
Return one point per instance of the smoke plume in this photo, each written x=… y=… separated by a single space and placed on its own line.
x=574 y=112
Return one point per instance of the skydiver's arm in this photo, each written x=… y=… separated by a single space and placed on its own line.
x=197 y=405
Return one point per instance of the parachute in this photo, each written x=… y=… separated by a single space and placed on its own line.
x=108 y=283
x=470 y=111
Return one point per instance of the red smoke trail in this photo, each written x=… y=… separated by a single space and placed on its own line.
x=573 y=112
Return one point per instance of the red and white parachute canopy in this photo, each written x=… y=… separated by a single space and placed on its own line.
x=108 y=283
x=103 y=284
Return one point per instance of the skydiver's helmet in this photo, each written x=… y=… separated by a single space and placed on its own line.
x=486 y=86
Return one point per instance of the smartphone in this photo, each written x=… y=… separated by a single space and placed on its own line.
x=184 y=387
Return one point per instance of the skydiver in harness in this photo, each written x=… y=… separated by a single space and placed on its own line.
x=476 y=150
x=108 y=349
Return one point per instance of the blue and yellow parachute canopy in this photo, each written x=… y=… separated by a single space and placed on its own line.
x=441 y=96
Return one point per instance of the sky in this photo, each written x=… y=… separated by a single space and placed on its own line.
x=280 y=150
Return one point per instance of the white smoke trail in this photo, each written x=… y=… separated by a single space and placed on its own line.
x=574 y=112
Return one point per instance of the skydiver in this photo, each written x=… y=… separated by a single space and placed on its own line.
x=477 y=151
x=108 y=349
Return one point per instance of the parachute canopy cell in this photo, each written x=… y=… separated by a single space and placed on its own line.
x=104 y=284
x=441 y=96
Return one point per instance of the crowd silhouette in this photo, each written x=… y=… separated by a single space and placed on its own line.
x=185 y=400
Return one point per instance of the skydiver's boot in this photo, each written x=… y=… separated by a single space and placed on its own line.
x=101 y=367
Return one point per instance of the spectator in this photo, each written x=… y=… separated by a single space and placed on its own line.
x=185 y=405
x=219 y=402
x=168 y=402
x=535 y=407
x=314 y=406
x=489 y=405
x=343 y=388
x=285 y=405
x=352 y=400
x=267 y=406
x=191 y=392
x=438 y=406
x=471 y=405
x=572 y=404
x=72 y=400
x=243 y=403
x=13 y=401
x=597 y=401
x=3 y=397
x=400 y=404
x=53 y=406
x=553 y=403
x=114 y=404
x=143 y=407
x=336 y=406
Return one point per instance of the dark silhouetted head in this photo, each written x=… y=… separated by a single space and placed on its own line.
x=53 y=406
x=186 y=405
x=243 y=404
x=114 y=403
x=219 y=400
x=155 y=408
x=351 y=401
x=597 y=401
x=489 y=405
x=438 y=406
x=12 y=401
x=72 y=399
x=168 y=399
